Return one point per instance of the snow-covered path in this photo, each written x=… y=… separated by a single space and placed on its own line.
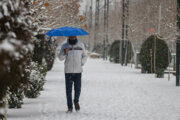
x=109 y=92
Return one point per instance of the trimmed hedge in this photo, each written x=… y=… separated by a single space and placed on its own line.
x=15 y=96
x=147 y=55
x=114 y=51
x=37 y=80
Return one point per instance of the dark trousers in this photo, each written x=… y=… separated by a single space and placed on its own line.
x=70 y=79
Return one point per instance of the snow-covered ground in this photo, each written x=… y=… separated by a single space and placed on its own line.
x=109 y=92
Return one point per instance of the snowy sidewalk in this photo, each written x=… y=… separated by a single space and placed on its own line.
x=109 y=92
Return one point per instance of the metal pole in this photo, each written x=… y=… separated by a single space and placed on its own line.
x=123 y=26
x=169 y=52
x=104 y=52
x=127 y=27
x=178 y=47
x=178 y=62
x=155 y=39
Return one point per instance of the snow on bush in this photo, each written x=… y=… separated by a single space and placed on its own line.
x=49 y=56
x=36 y=81
x=15 y=43
x=2 y=106
x=15 y=96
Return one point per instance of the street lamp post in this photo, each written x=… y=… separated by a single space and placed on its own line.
x=127 y=30
x=177 y=62
x=121 y=56
x=105 y=22
x=178 y=46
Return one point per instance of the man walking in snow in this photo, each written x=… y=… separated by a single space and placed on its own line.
x=74 y=53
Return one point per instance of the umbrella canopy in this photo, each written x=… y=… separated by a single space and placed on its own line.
x=67 y=31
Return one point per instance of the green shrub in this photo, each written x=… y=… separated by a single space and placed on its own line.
x=114 y=51
x=2 y=108
x=37 y=80
x=160 y=73
x=15 y=42
x=147 y=55
x=50 y=53
x=15 y=96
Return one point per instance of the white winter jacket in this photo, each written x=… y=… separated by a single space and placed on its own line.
x=75 y=58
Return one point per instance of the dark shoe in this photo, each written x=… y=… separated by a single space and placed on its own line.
x=69 y=110
x=77 y=107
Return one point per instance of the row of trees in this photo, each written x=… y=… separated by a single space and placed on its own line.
x=16 y=45
x=27 y=54
x=146 y=17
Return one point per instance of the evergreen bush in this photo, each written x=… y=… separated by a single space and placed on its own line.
x=36 y=81
x=114 y=51
x=15 y=43
x=39 y=48
x=2 y=106
x=147 y=55
x=15 y=96
x=50 y=53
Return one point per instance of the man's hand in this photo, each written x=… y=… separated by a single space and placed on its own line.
x=66 y=50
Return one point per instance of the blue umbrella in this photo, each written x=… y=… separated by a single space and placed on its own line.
x=67 y=31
